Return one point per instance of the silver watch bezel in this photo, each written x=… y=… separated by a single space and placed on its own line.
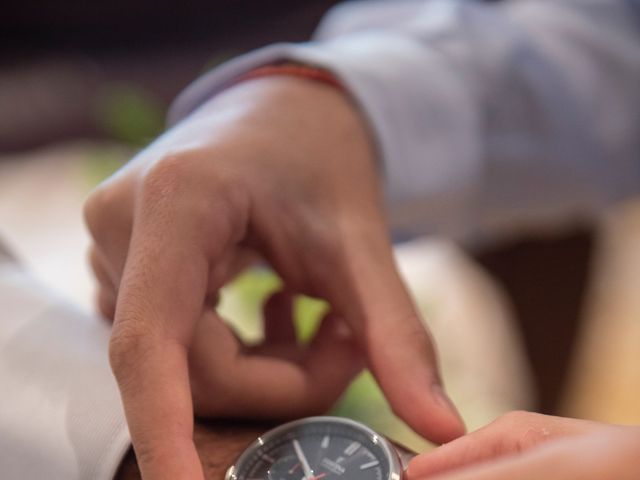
x=395 y=465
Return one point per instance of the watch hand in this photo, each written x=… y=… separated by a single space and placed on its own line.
x=308 y=474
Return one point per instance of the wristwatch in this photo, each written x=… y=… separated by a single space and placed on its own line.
x=315 y=448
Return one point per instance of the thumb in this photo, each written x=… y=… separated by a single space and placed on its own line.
x=370 y=295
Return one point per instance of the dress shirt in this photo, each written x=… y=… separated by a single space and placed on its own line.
x=488 y=117
x=61 y=417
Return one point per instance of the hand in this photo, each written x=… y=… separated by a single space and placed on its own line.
x=526 y=446
x=280 y=168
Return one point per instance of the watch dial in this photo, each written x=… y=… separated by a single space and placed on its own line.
x=319 y=448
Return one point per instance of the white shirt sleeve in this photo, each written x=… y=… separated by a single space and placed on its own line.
x=60 y=417
x=487 y=116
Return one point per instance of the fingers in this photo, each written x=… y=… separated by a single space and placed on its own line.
x=148 y=354
x=160 y=299
x=282 y=380
x=333 y=359
x=108 y=216
x=106 y=303
x=371 y=296
x=590 y=457
x=512 y=433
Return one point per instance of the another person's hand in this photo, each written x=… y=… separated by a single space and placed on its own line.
x=523 y=446
x=277 y=168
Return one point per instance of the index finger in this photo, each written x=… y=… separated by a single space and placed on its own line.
x=161 y=297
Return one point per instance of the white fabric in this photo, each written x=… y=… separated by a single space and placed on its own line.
x=489 y=117
x=5 y=253
x=60 y=415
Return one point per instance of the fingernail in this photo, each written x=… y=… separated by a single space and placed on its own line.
x=443 y=399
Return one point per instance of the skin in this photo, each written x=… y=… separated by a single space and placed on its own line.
x=279 y=170
x=527 y=446
x=218 y=443
x=518 y=445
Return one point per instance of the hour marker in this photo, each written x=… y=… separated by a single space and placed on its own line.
x=268 y=458
x=325 y=441
x=364 y=466
x=352 y=448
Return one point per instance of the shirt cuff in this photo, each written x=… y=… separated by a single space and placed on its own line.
x=411 y=116
x=61 y=415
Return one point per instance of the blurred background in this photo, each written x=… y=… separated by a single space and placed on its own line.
x=542 y=321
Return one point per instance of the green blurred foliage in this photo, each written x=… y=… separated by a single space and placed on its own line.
x=102 y=162
x=129 y=114
x=131 y=118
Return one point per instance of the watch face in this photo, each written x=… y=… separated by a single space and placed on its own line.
x=318 y=448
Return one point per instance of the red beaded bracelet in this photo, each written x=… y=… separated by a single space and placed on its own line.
x=293 y=70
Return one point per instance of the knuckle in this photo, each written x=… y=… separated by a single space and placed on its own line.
x=321 y=244
x=98 y=210
x=329 y=247
x=145 y=452
x=108 y=215
x=175 y=182
x=170 y=175
x=106 y=304
x=127 y=347
x=184 y=185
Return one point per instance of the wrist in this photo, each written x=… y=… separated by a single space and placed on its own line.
x=218 y=444
x=285 y=117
